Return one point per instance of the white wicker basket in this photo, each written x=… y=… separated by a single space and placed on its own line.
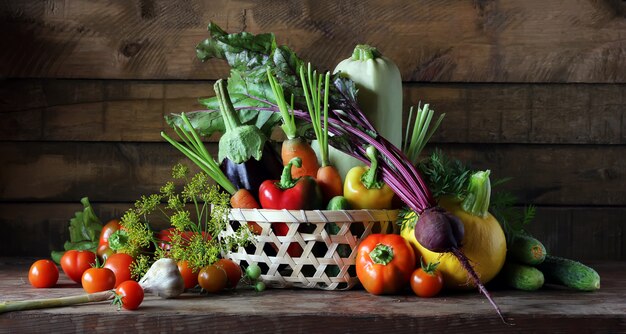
x=328 y=239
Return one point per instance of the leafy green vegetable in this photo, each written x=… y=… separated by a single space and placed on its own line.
x=249 y=57
x=445 y=176
x=239 y=142
x=84 y=231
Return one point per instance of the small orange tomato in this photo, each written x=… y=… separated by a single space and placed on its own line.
x=119 y=263
x=427 y=281
x=43 y=274
x=190 y=277
x=98 y=279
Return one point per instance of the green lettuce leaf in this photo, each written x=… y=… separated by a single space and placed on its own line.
x=84 y=230
x=248 y=56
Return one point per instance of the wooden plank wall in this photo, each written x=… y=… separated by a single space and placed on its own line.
x=532 y=89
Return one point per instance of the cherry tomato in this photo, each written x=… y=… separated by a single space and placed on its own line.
x=119 y=263
x=98 y=279
x=108 y=229
x=253 y=271
x=43 y=274
x=427 y=281
x=190 y=277
x=212 y=278
x=104 y=251
x=130 y=294
x=233 y=271
x=75 y=262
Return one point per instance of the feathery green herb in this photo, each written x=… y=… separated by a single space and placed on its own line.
x=198 y=213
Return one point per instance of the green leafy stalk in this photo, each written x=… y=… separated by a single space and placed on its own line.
x=289 y=121
x=239 y=142
x=312 y=85
x=478 y=195
x=418 y=135
x=84 y=229
x=195 y=150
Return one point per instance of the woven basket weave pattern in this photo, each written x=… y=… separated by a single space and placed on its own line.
x=328 y=239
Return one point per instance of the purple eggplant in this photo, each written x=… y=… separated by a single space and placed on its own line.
x=250 y=174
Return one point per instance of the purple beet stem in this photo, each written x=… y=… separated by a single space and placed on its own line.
x=470 y=270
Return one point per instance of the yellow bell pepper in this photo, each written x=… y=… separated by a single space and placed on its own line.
x=362 y=188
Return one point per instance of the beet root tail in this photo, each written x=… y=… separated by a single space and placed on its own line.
x=470 y=270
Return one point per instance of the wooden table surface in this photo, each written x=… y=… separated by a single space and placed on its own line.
x=551 y=309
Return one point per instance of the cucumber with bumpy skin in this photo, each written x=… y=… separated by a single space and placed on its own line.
x=526 y=249
x=570 y=273
x=521 y=276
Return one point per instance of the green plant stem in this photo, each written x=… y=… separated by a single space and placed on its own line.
x=289 y=121
x=195 y=150
x=418 y=134
x=286 y=180
x=33 y=304
x=478 y=194
x=370 y=178
x=312 y=85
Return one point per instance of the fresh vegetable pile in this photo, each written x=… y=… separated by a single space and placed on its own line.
x=343 y=150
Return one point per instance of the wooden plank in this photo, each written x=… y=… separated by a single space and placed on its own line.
x=67 y=171
x=581 y=233
x=285 y=310
x=114 y=110
x=453 y=41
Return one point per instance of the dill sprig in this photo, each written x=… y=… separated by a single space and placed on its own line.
x=197 y=213
x=445 y=176
x=512 y=219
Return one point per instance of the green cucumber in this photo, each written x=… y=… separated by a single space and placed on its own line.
x=570 y=273
x=527 y=250
x=521 y=276
x=338 y=203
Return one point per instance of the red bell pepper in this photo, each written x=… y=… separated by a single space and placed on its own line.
x=302 y=193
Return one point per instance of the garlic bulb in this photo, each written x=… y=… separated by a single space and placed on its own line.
x=163 y=279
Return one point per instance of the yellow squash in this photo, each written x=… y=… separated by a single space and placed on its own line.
x=483 y=243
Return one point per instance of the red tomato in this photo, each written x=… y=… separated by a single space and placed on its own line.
x=130 y=294
x=108 y=229
x=233 y=271
x=75 y=262
x=427 y=281
x=190 y=277
x=43 y=274
x=212 y=278
x=119 y=263
x=98 y=279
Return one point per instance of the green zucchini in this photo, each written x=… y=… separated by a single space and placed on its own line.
x=521 y=276
x=570 y=273
x=526 y=249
